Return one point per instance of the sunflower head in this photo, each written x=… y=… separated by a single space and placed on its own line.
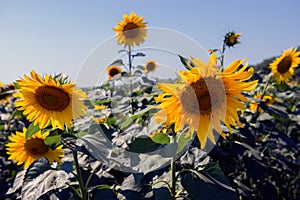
x=205 y=98
x=112 y=71
x=45 y=100
x=131 y=30
x=25 y=151
x=232 y=38
x=283 y=66
x=150 y=66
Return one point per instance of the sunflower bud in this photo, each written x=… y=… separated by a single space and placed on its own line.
x=231 y=38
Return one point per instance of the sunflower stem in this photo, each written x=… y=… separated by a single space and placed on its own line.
x=130 y=78
x=83 y=190
x=261 y=98
x=222 y=56
x=173 y=170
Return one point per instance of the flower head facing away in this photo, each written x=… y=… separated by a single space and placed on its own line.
x=283 y=66
x=205 y=98
x=131 y=31
x=45 y=101
x=25 y=151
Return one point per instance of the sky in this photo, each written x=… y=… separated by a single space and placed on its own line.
x=75 y=37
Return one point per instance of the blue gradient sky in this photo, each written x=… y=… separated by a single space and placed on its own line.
x=56 y=36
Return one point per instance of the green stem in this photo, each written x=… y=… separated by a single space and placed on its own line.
x=173 y=171
x=261 y=98
x=130 y=81
x=222 y=56
x=79 y=176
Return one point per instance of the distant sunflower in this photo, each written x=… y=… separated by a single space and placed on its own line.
x=150 y=66
x=231 y=39
x=131 y=30
x=266 y=98
x=25 y=151
x=46 y=100
x=283 y=66
x=6 y=92
x=205 y=98
x=112 y=71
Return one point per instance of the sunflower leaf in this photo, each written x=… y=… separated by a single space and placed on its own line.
x=183 y=140
x=52 y=141
x=161 y=138
x=32 y=129
x=186 y=62
x=42 y=175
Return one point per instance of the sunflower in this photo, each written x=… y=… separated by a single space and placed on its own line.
x=205 y=97
x=112 y=71
x=283 y=67
x=46 y=100
x=232 y=38
x=6 y=92
x=26 y=151
x=150 y=66
x=266 y=98
x=131 y=30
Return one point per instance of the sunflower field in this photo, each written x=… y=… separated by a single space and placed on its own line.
x=214 y=132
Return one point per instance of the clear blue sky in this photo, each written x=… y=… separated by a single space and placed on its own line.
x=57 y=36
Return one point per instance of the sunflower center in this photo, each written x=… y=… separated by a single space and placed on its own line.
x=202 y=96
x=150 y=66
x=113 y=72
x=52 y=98
x=36 y=147
x=284 y=65
x=131 y=30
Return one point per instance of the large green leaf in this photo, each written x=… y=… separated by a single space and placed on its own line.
x=40 y=178
x=209 y=183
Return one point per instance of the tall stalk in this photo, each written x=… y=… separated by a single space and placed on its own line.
x=130 y=77
x=83 y=190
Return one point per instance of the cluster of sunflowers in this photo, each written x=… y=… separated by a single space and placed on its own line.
x=207 y=100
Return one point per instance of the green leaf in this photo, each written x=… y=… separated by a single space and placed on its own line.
x=137 y=115
x=40 y=173
x=186 y=62
x=52 y=141
x=143 y=145
x=32 y=129
x=210 y=184
x=183 y=140
x=161 y=138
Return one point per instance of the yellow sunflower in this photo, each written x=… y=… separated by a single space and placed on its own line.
x=6 y=92
x=283 y=67
x=26 y=151
x=150 y=66
x=46 y=100
x=205 y=98
x=266 y=98
x=131 y=30
x=112 y=71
